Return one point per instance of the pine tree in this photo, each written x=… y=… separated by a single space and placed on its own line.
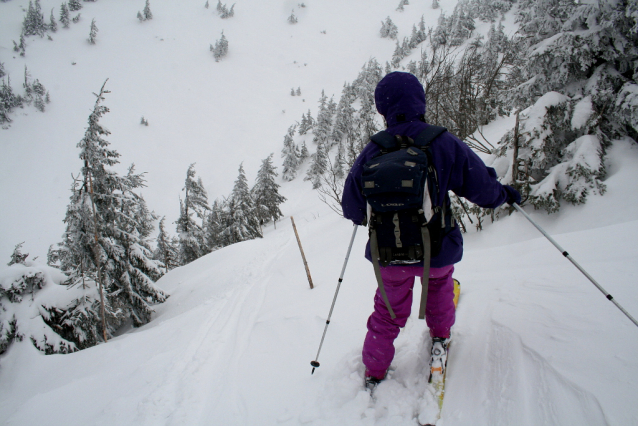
x=106 y=242
x=53 y=25
x=291 y=155
x=292 y=18
x=93 y=32
x=167 y=251
x=33 y=23
x=75 y=5
x=190 y=230
x=388 y=29
x=228 y=13
x=216 y=222
x=324 y=120
x=147 y=11
x=318 y=166
x=243 y=224
x=26 y=312
x=303 y=154
x=266 y=193
x=220 y=49
x=64 y=15
x=401 y=4
x=8 y=101
x=307 y=123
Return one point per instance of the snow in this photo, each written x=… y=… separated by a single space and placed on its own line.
x=534 y=343
x=582 y=111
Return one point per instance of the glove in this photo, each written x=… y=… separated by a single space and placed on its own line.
x=513 y=196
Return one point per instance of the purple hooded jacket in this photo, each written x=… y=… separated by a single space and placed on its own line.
x=400 y=98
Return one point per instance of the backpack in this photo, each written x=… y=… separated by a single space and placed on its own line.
x=399 y=185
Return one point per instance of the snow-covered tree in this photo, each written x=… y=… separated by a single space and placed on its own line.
x=33 y=23
x=53 y=25
x=216 y=222
x=307 y=123
x=228 y=13
x=167 y=250
x=242 y=222
x=106 y=242
x=64 y=15
x=190 y=225
x=265 y=193
x=32 y=297
x=292 y=18
x=577 y=91
x=291 y=155
x=8 y=100
x=220 y=49
x=93 y=32
x=75 y=5
x=147 y=11
x=318 y=165
x=323 y=126
x=401 y=4
x=388 y=29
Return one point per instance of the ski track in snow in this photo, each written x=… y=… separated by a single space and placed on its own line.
x=190 y=394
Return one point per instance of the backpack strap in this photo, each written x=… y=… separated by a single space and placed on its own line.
x=374 y=248
x=428 y=135
x=384 y=139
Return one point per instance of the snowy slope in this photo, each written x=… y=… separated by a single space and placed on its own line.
x=535 y=342
x=215 y=114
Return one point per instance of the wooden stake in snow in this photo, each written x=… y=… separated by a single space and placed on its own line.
x=303 y=256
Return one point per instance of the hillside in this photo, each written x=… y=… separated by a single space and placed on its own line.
x=534 y=342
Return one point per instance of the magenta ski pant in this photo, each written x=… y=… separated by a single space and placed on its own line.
x=378 y=348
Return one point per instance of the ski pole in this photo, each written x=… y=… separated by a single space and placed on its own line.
x=580 y=268
x=315 y=363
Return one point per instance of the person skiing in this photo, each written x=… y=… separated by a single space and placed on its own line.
x=400 y=99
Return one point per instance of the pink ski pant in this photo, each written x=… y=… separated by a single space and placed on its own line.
x=378 y=348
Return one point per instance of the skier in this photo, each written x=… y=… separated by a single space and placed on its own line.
x=400 y=98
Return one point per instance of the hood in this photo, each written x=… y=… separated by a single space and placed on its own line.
x=400 y=97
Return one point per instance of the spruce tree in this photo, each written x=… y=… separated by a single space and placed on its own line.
x=243 y=223
x=291 y=155
x=75 y=5
x=216 y=222
x=220 y=49
x=93 y=32
x=147 y=11
x=167 y=251
x=388 y=29
x=292 y=18
x=53 y=25
x=27 y=312
x=190 y=225
x=106 y=242
x=64 y=15
x=266 y=193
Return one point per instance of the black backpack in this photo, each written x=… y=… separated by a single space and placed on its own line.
x=399 y=185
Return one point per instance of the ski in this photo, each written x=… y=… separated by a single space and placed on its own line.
x=438 y=364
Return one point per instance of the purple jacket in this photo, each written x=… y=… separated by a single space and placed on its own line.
x=401 y=100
